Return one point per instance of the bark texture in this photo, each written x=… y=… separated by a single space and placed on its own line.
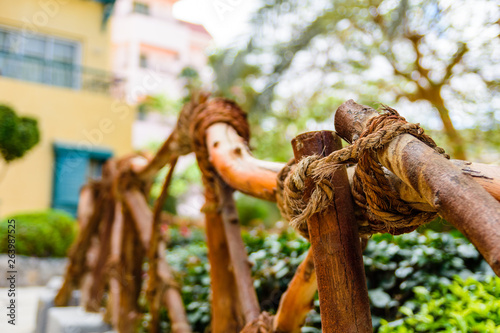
x=343 y=294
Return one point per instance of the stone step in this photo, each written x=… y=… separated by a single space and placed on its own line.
x=74 y=319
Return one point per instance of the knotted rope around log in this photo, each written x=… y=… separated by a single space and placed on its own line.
x=215 y=110
x=384 y=210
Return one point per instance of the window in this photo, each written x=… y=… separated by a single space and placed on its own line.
x=39 y=58
x=74 y=166
x=141 y=8
x=143 y=61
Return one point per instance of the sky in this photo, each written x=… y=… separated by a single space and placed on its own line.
x=225 y=20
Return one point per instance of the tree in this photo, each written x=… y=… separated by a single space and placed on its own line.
x=433 y=54
x=17 y=134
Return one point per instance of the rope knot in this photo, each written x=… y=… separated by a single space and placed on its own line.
x=383 y=209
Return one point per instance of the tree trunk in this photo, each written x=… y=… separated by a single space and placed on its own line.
x=455 y=140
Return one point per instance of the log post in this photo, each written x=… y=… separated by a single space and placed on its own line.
x=238 y=255
x=113 y=307
x=141 y=215
x=89 y=215
x=99 y=272
x=298 y=300
x=343 y=294
x=226 y=316
x=454 y=195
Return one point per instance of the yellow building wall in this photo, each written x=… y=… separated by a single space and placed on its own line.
x=78 y=20
x=71 y=116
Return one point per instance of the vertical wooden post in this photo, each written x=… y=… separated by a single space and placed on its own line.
x=115 y=285
x=226 y=316
x=247 y=296
x=99 y=272
x=89 y=215
x=343 y=294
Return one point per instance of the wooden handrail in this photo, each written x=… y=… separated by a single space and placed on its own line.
x=457 y=197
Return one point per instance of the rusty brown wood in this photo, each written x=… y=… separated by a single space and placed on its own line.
x=239 y=260
x=455 y=195
x=131 y=254
x=100 y=269
x=230 y=155
x=343 y=294
x=298 y=300
x=141 y=215
x=226 y=315
x=486 y=175
x=90 y=210
x=159 y=160
x=113 y=307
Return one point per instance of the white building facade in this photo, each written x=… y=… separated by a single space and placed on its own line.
x=151 y=47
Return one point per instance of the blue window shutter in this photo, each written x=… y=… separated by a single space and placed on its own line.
x=70 y=175
x=71 y=172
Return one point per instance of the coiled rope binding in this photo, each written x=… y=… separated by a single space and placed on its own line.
x=382 y=207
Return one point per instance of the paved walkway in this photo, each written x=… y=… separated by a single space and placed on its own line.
x=26 y=307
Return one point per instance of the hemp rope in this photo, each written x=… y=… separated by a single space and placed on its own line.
x=215 y=110
x=384 y=210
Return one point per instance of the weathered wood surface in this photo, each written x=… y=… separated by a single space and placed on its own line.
x=230 y=155
x=343 y=294
x=455 y=195
x=115 y=284
x=141 y=214
x=226 y=315
x=89 y=216
x=158 y=161
x=298 y=300
x=240 y=265
x=100 y=270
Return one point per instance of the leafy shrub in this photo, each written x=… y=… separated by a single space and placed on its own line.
x=17 y=134
x=41 y=234
x=252 y=211
x=394 y=266
x=460 y=306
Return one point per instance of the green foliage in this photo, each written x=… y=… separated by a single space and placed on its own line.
x=394 y=265
x=461 y=306
x=17 y=134
x=160 y=103
x=41 y=234
x=192 y=82
x=256 y=212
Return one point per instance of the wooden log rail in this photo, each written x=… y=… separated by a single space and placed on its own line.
x=455 y=196
x=116 y=214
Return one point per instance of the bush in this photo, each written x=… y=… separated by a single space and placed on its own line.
x=41 y=234
x=394 y=266
x=461 y=306
x=17 y=134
